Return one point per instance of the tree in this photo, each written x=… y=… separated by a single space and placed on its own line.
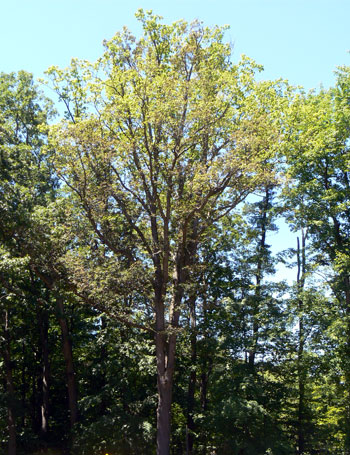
x=318 y=194
x=161 y=140
x=27 y=193
x=24 y=183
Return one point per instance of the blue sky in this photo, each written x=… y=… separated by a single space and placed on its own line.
x=299 y=40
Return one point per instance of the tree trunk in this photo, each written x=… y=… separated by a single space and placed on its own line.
x=68 y=357
x=165 y=371
x=301 y=263
x=206 y=368
x=23 y=383
x=192 y=379
x=261 y=249
x=44 y=327
x=340 y=242
x=190 y=260
x=11 y=419
x=204 y=382
x=164 y=414
x=347 y=370
x=165 y=352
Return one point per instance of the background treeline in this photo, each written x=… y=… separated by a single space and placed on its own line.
x=137 y=274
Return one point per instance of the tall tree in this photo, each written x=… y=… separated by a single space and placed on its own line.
x=175 y=145
x=318 y=195
x=24 y=181
x=27 y=192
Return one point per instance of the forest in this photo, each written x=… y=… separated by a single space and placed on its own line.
x=146 y=303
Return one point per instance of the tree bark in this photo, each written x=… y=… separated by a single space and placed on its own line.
x=261 y=248
x=347 y=370
x=44 y=327
x=165 y=352
x=190 y=433
x=68 y=357
x=11 y=419
x=165 y=370
x=190 y=260
x=301 y=270
x=23 y=383
x=340 y=242
x=164 y=382
x=206 y=369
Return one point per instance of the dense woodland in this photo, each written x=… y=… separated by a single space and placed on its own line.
x=141 y=311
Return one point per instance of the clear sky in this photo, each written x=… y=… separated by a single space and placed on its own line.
x=299 y=40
